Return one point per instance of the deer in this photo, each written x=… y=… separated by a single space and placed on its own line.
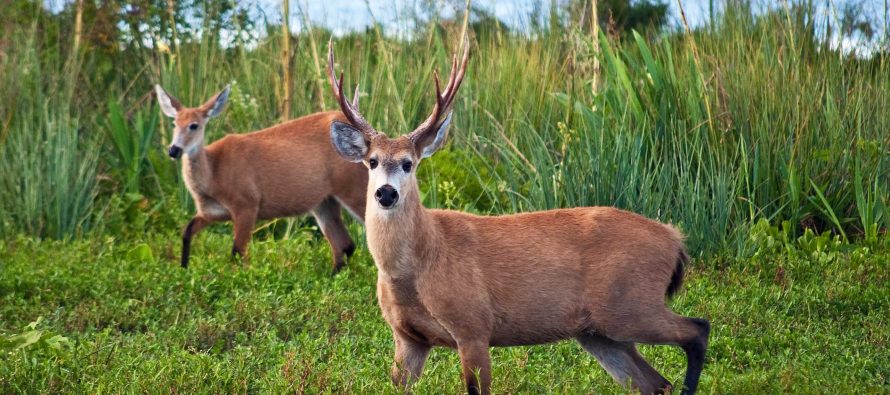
x=285 y=170
x=599 y=275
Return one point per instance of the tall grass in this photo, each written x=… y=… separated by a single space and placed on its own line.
x=750 y=118
x=763 y=125
x=132 y=143
x=48 y=157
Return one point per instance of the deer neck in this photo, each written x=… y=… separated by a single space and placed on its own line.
x=196 y=170
x=404 y=239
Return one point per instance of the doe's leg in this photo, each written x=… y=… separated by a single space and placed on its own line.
x=243 y=222
x=195 y=225
x=329 y=218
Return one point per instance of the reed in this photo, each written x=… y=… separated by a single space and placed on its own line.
x=746 y=119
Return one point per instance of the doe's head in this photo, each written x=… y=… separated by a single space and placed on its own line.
x=189 y=123
x=392 y=162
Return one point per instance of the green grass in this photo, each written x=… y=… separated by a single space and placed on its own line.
x=747 y=122
x=812 y=319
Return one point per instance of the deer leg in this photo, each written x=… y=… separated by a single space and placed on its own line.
x=329 y=219
x=668 y=328
x=695 y=354
x=625 y=365
x=476 y=365
x=408 y=363
x=194 y=226
x=244 y=220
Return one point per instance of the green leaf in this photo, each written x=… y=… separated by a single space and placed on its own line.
x=651 y=65
x=141 y=253
x=26 y=339
x=826 y=209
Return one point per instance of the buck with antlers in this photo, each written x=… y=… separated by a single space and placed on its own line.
x=288 y=169
x=446 y=278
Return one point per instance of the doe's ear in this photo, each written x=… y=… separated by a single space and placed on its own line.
x=348 y=141
x=428 y=144
x=215 y=105
x=169 y=105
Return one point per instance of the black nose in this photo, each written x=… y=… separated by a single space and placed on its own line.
x=387 y=196
x=174 y=152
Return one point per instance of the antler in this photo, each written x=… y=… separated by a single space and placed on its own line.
x=444 y=100
x=350 y=110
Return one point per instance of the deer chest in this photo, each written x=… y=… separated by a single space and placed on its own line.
x=405 y=313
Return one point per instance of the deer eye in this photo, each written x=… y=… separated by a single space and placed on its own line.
x=193 y=126
x=372 y=163
x=406 y=166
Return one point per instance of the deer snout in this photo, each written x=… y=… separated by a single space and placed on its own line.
x=174 y=152
x=386 y=196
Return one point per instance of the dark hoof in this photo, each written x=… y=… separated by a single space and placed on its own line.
x=338 y=266
x=349 y=251
x=238 y=256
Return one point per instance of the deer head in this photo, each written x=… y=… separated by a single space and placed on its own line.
x=392 y=162
x=188 y=129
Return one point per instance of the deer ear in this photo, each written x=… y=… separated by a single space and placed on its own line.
x=348 y=141
x=215 y=106
x=169 y=105
x=429 y=143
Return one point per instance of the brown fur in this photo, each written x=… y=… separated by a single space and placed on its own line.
x=285 y=170
x=597 y=274
x=447 y=278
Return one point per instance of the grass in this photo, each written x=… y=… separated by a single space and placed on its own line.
x=808 y=320
x=48 y=166
x=766 y=146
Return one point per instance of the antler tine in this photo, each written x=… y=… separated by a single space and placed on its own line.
x=459 y=78
x=457 y=75
x=344 y=105
x=350 y=110
x=451 y=75
x=437 y=110
x=455 y=78
x=444 y=99
x=438 y=88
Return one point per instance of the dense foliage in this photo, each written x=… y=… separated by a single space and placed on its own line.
x=747 y=118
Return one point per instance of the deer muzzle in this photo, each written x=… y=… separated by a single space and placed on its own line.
x=174 y=152
x=386 y=196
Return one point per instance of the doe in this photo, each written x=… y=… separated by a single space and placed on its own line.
x=446 y=278
x=285 y=170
